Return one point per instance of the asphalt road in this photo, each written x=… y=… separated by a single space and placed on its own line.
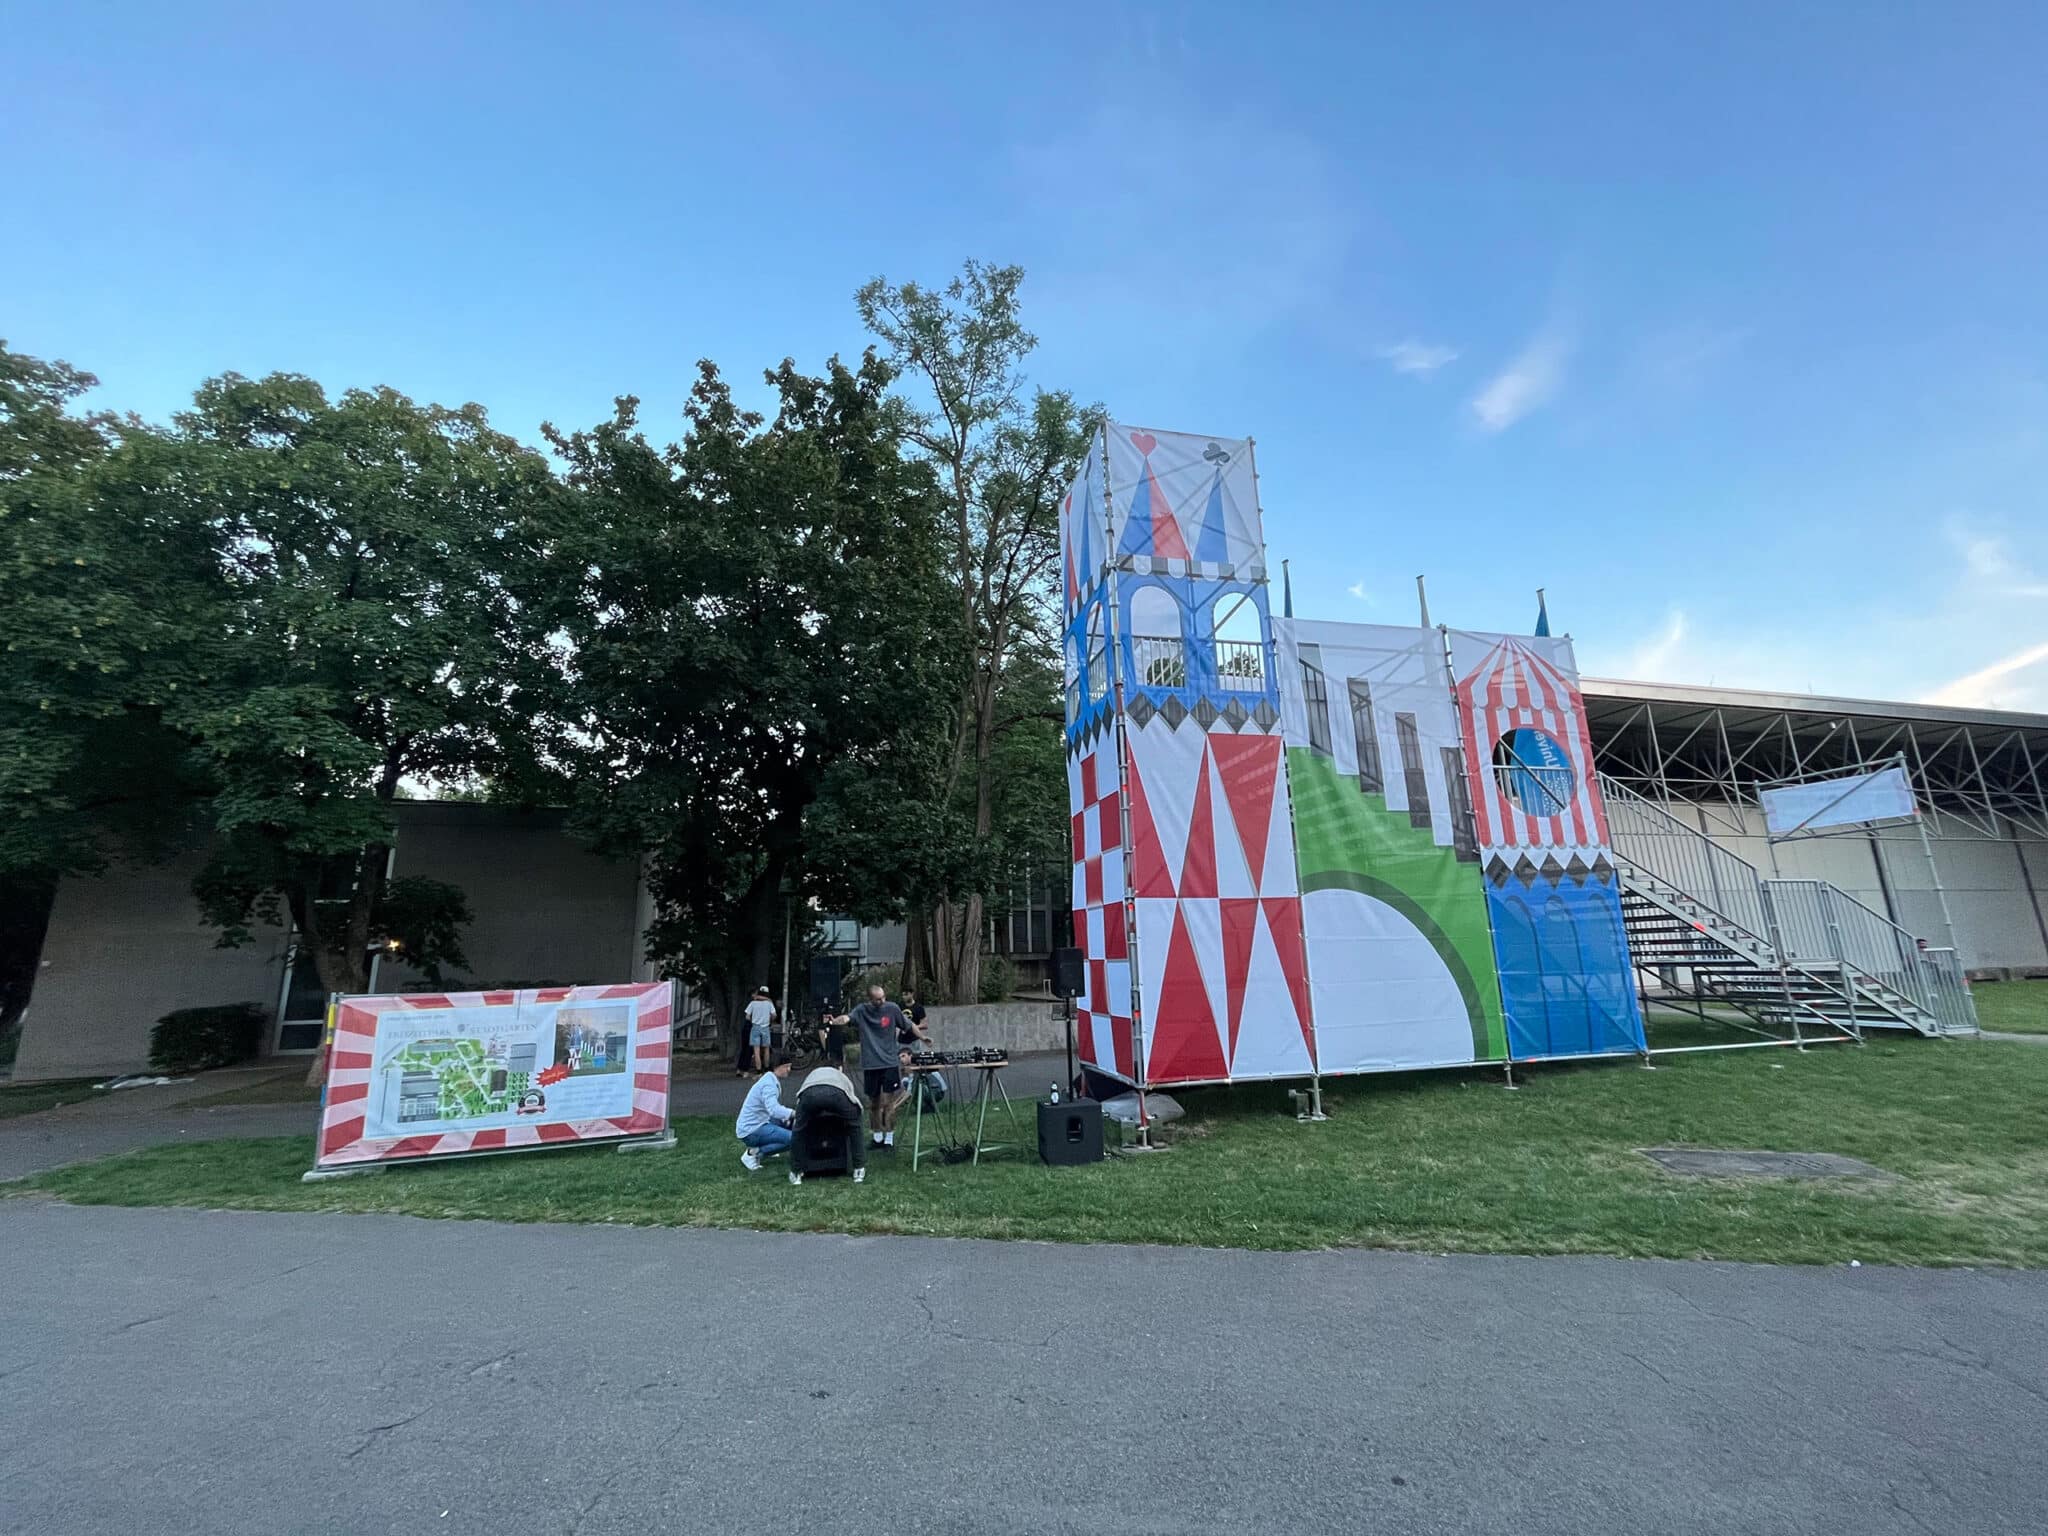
x=170 y=1372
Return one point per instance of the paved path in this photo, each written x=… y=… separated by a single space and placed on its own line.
x=107 y=1123
x=219 y=1373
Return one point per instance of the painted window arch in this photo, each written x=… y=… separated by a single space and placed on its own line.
x=1239 y=635
x=1158 y=648
x=1098 y=653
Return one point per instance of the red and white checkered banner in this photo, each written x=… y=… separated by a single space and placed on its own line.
x=424 y=1075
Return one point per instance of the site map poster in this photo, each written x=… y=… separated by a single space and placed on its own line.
x=439 y=1074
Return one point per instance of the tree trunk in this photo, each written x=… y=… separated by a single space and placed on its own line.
x=967 y=970
x=943 y=953
x=914 y=963
x=342 y=960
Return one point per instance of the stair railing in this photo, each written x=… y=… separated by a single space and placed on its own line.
x=1824 y=924
x=1644 y=834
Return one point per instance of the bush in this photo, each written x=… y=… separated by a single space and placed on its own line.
x=193 y=1039
x=998 y=978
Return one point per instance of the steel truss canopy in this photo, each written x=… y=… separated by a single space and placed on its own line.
x=1983 y=768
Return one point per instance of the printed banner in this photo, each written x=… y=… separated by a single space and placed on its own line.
x=1551 y=888
x=421 y=1075
x=1400 y=961
x=1846 y=800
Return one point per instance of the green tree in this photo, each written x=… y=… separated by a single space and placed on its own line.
x=104 y=600
x=368 y=635
x=1003 y=456
x=101 y=606
x=755 y=658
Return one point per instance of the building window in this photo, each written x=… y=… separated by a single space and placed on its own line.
x=1098 y=655
x=1411 y=770
x=1240 y=643
x=1316 y=696
x=1365 y=739
x=1158 y=656
x=1464 y=838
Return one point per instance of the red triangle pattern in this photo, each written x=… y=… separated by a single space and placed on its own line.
x=1240 y=921
x=1149 y=875
x=1184 y=1044
x=1167 y=543
x=1198 y=866
x=1283 y=920
x=1250 y=768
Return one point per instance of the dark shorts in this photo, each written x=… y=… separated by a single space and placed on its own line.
x=882 y=1080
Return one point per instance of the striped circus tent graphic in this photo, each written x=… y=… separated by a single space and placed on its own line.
x=1527 y=750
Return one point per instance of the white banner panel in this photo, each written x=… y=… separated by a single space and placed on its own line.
x=1838 y=802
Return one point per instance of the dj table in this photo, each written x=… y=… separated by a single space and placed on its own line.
x=950 y=1116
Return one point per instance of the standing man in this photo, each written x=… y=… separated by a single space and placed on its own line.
x=760 y=1019
x=913 y=1011
x=879 y=1021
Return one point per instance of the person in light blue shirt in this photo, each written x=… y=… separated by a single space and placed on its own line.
x=764 y=1122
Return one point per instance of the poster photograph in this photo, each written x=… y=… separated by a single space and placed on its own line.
x=422 y=1075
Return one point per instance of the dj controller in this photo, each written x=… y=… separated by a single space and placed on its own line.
x=976 y=1056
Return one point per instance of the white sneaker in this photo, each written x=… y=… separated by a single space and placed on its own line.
x=749 y=1161
x=859 y=1174
x=795 y=1177
x=888 y=1138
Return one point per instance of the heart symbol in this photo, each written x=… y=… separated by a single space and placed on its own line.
x=1144 y=442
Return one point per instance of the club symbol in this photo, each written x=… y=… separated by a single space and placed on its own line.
x=1215 y=454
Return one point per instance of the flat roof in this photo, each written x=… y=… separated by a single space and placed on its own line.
x=1689 y=695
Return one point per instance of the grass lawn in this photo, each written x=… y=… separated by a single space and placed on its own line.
x=2016 y=1007
x=1429 y=1161
x=28 y=1098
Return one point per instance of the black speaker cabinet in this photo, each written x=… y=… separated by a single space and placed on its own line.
x=1067 y=979
x=1070 y=1132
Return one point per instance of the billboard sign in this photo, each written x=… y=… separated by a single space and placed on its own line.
x=425 y=1075
x=1848 y=800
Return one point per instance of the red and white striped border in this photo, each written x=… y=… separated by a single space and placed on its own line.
x=343 y=1105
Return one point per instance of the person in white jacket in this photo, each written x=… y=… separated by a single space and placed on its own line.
x=764 y=1121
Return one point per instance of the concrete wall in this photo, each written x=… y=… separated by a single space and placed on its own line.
x=124 y=949
x=127 y=947
x=1997 y=924
x=1019 y=1026
x=546 y=908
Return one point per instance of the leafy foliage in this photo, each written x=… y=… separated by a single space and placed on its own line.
x=105 y=600
x=1003 y=458
x=754 y=661
x=367 y=634
x=195 y=1039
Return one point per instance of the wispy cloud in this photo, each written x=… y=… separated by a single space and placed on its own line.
x=1990 y=561
x=1654 y=656
x=1996 y=686
x=1416 y=356
x=1530 y=380
x=1357 y=590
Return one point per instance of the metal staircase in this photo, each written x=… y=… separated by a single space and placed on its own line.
x=1802 y=958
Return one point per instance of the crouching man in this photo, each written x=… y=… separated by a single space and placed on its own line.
x=764 y=1122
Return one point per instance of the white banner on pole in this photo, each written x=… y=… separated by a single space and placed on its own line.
x=1884 y=795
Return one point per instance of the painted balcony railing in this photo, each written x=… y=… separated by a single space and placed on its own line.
x=1241 y=664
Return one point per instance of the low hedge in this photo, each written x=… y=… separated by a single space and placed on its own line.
x=193 y=1039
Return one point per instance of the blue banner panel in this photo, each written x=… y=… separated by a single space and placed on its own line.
x=1564 y=967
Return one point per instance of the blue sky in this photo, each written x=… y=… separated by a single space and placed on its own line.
x=1728 y=324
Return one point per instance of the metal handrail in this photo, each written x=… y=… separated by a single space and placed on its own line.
x=1822 y=923
x=1241 y=665
x=1644 y=834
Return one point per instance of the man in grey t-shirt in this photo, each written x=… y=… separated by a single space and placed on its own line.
x=878 y=1020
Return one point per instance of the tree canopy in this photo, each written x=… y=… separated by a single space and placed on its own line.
x=755 y=652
